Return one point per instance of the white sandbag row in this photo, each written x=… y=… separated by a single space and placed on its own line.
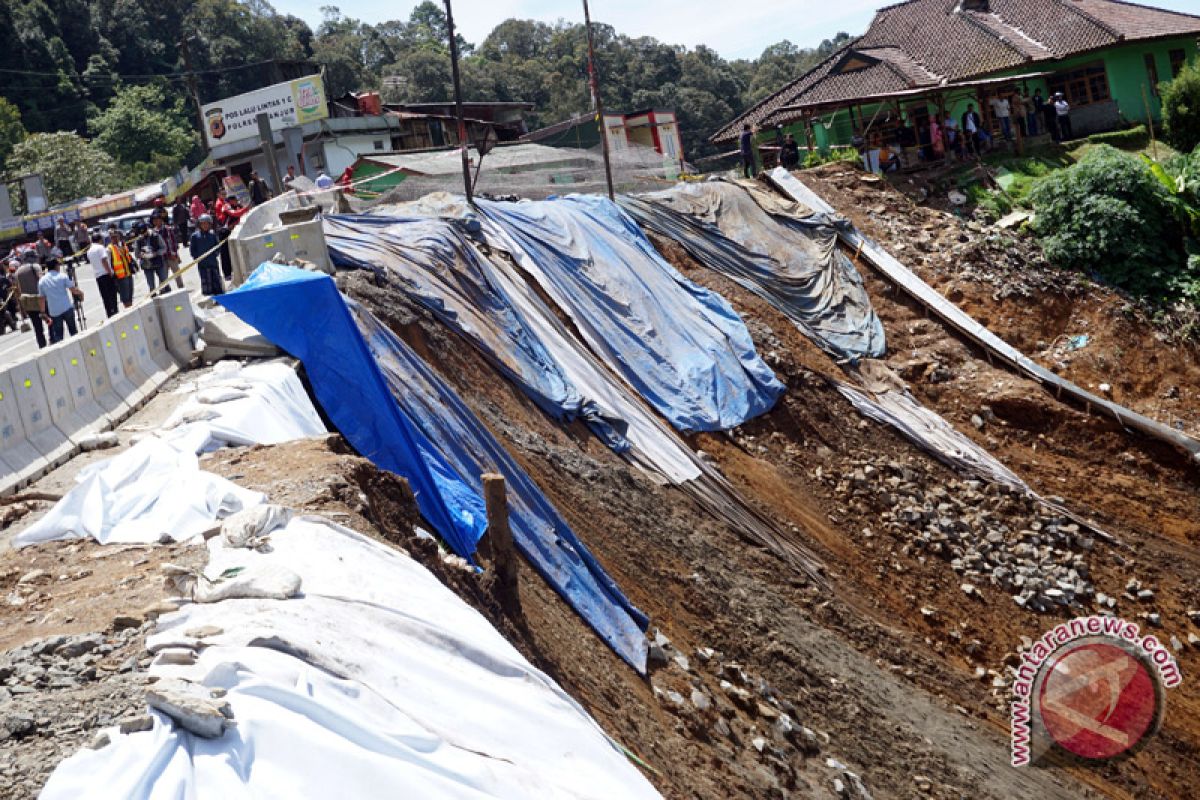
x=51 y=402
x=372 y=680
x=156 y=490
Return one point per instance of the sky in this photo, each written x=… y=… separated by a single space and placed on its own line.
x=734 y=28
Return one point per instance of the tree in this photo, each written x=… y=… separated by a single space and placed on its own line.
x=1181 y=108
x=71 y=167
x=12 y=132
x=140 y=126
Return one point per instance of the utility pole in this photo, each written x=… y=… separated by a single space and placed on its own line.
x=191 y=80
x=596 y=101
x=458 y=105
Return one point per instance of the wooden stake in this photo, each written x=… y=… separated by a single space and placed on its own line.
x=504 y=554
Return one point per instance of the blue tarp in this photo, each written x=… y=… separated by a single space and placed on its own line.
x=302 y=313
x=680 y=345
x=436 y=262
x=345 y=346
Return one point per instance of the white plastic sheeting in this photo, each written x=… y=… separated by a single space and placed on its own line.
x=156 y=489
x=377 y=681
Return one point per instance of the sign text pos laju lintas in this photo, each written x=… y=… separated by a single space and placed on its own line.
x=289 y=103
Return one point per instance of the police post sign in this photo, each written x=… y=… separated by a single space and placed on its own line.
x=289 y=103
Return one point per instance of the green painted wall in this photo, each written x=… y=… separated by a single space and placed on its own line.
x=1124 y=64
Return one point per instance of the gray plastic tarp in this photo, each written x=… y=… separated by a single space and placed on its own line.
x=789 y=259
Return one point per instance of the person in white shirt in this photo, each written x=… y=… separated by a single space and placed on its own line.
x=1062 y=115
x=1003 y=112
x=106 y=281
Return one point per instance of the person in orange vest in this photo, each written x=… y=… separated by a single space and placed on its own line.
x=123 y=266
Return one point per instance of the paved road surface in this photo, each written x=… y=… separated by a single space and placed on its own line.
x=16 y=346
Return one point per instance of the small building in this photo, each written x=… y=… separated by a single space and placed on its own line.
x=359 y=124
x=924 y=57
x=653 y=128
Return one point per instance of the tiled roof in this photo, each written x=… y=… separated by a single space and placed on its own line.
x=926 y=42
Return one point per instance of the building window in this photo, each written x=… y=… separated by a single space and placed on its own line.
x=1151 y=72
x=1178 y=58
x=378 y=144
x=1083 y=85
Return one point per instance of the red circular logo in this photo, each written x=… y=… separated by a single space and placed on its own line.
x=1098 y=699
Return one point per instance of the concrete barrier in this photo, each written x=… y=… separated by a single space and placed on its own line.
x=79 y=382
x=73 y=419
x=88 y=383
x=178 y=324
x=131 y=345
x=23 y=462
x=156 y=346
x=124 y=388
x=90 y=347
x=34 y=410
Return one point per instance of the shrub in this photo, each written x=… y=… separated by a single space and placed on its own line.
x=1129 y=139
x=1109 y=215
x=1181 y=108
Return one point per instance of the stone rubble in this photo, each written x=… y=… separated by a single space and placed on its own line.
x=990 y=534
x=718 y=699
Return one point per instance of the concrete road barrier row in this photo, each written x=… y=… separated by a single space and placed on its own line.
x=88 y=383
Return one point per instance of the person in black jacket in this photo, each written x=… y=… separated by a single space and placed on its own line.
x=746 y=145
x=789 y=153
x=204 y=242
x=972 y=130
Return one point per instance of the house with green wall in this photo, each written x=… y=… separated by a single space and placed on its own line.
x=926 y=58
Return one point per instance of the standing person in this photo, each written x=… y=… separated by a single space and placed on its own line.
x=953 y=140
x=746 y=144
x=1062 y=115
x=937 y=142
x=258 y=190
x=102 y=270
x=197 y=208
x=289 y=178
x=1029 y=109
x=972 y=128
x=789 y=153
x=56 y=297
x=179 y=218
x=204 y=242
x=154 y=254
x=62 y=237
x=121 y=262
x=232 y=213
x=27 y=277
x=1003 y=111
x=167 y=232
x=8 y=292
x=44 y=248
x=81 y=238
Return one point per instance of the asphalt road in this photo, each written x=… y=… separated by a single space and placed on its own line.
x=16 y=346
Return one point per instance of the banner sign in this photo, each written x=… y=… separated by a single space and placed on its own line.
x=290 y=103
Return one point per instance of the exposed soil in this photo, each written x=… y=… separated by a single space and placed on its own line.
x=705 y=588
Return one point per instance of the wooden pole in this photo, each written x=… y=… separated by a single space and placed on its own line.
x=458 y=106
x=1150 y=123
x=597 y=102
x=504 y=554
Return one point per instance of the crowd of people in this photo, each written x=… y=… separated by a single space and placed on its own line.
x=38 y=288
x=929 y=137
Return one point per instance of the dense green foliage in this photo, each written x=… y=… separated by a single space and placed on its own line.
x=1132 y=138
x=1181 y=109
x=139 y=129
x=12 y=130
x=85 y=66
x=1110 y=216
x=70 y=165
